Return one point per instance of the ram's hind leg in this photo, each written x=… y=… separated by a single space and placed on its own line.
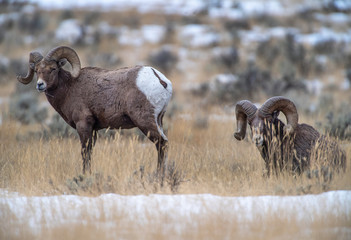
x=162 y=147
x=153 y=130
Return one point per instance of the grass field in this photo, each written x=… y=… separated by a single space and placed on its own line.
x=200 y=160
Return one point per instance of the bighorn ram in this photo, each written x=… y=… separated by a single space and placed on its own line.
x=291 y=146
x=91 y=98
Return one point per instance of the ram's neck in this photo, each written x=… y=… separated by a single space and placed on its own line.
x=275 y=130
x=58 y=95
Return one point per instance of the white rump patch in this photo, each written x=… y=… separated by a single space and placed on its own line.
x=149 y=84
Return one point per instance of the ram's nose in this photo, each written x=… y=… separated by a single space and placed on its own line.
x=41 y=85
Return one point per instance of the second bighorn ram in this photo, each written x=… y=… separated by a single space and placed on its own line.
x=290 y=146
x=91 y=98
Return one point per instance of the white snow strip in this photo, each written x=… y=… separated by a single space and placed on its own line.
x=181 y=211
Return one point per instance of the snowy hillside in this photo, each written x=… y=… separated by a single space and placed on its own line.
x=216 y=8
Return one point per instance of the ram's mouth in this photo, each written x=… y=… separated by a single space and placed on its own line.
x=41 y=90
x=41 y=85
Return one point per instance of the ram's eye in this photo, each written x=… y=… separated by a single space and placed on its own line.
x=52 y=69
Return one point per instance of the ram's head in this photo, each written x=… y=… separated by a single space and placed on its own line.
x=47 y=68
x=261 y=119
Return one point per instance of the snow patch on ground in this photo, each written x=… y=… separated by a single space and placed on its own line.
x=69 y=30
x=196 y=35
x=323 y=35
x=315 y=86
x=181 y=211
x=137 y=37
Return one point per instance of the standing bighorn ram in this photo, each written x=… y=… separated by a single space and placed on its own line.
x=290 y=146
x=91 y=98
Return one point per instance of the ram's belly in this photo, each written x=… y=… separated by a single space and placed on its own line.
x=110 y=111
x=107 y=118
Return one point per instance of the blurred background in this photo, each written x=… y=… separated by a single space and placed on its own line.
x=215 y=52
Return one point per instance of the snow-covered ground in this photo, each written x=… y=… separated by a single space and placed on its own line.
x=216 y=8
x=201 y=35
x=183 y=212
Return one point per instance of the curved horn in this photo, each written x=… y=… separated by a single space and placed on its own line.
x=244 y=110
x=284 y=105
x=66 y=52
x=34 y=58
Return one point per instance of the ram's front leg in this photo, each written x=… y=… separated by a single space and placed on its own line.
x=85 y=132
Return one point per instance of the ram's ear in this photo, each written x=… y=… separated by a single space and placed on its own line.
x=62 y=62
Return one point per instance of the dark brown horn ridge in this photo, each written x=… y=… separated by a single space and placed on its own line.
x=284 y=105
x=66 y=52
x=244 y=111
x=34 y=58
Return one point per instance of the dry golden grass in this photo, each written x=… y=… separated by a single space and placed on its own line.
x=200 y=159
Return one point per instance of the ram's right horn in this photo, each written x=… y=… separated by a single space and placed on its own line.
x=34 y=58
